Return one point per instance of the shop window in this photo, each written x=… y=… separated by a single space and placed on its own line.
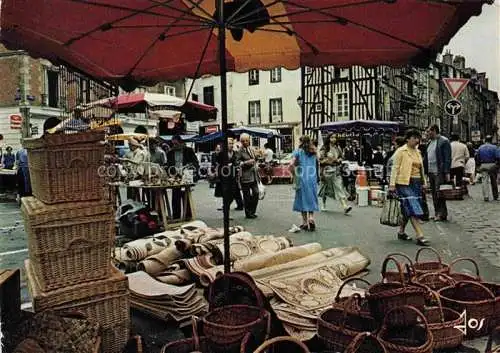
x=255 y=142
x=342 y=105
x=208 y=95
x=194 y=97
x=253 y=77
x=254 y=112
x=169 y=90
x=276 y=75
x=275 y=110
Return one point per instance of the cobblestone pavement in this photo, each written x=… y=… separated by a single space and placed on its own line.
x=480 y=221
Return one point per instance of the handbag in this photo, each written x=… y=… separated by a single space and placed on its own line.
x=391 y=212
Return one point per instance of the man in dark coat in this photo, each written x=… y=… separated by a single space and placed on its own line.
x=249 y=177
x=180 y=157
x=437 y=164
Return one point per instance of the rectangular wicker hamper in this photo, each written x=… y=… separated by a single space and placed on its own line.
x=105 y=301
x=64 y=167
x=68 y=243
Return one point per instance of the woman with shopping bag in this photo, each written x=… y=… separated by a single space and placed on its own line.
x=408 y=182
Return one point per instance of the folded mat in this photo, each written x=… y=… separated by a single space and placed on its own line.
x=202 y=236
x=143 y=285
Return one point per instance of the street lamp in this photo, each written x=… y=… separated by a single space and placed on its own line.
x=300 y=101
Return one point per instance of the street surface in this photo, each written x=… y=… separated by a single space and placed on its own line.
x=473 y=231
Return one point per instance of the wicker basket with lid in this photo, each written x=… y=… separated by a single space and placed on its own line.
x=63 y=167
x=68 y=243
x=105 y=301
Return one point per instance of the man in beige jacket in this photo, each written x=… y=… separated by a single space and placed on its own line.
x=459 y=157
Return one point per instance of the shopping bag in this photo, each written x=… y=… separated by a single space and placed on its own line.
x=391 y=212
x=425 y=207
x=262 y=191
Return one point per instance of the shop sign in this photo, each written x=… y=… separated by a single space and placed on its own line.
x=192 y=126
x=211 y=129
x=16 y=121
x=104 y=123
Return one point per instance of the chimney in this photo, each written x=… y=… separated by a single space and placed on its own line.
x=459 y=62
x=448 y=58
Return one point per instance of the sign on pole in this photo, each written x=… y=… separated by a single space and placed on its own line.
x=16 y=121
x=475 y=135
x=453 y=107
x=455 y=85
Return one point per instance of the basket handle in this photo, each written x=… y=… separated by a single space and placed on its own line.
x=398 y=265
x=441 y=276
x=277 y=340
x=393 y=254
x=439 y=304
x=337 y=297
x=78 y=240
x=417 y=255
x=401 y=308
x=477 y=284
x=461 y=259
x=360 y=338
x=194 y=327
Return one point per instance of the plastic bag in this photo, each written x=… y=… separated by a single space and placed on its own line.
x=262 y=191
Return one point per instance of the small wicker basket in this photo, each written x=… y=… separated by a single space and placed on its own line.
x=68 y=243
x=63 y=167
x=105 y=301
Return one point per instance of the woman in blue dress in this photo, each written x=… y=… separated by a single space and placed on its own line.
x=304 y=168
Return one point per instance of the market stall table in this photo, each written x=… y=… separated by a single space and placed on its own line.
x=157 y=197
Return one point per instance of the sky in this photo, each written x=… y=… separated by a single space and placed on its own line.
x=479 y=42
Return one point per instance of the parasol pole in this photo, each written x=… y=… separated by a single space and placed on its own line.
x=221 y=35
x=148 y=154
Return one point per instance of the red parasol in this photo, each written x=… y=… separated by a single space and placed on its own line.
x=145 y=41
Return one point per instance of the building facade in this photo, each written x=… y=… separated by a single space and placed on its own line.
x=53 y=92
x=413 y=96
x=266 y=99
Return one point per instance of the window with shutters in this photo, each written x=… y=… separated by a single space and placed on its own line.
x=275 y=110
x=253 y=77
x=276 y=75
x=254 y=112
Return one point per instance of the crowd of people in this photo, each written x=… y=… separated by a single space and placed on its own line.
x=17 y=162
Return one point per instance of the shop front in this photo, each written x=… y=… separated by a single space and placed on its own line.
x=289 y=137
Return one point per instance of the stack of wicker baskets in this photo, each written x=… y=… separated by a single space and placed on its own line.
x=71 y=233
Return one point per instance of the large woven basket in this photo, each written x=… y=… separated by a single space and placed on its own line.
x=382 y=297
x=395 y=276
x=476 y=300
x=63 y=167
x=338 y=325
x=422 y=267
x=462 y=276
x=443 y=323
x=435 y=280
x=68 y=243
x=225 y=327
x=105 y=301
x=410 y=338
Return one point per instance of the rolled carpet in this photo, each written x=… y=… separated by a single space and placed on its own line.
x=259 y=261
x=160 y=262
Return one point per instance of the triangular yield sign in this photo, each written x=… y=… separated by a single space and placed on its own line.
x=455 y=85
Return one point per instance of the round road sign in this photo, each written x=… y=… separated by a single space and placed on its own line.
x=453 y=107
